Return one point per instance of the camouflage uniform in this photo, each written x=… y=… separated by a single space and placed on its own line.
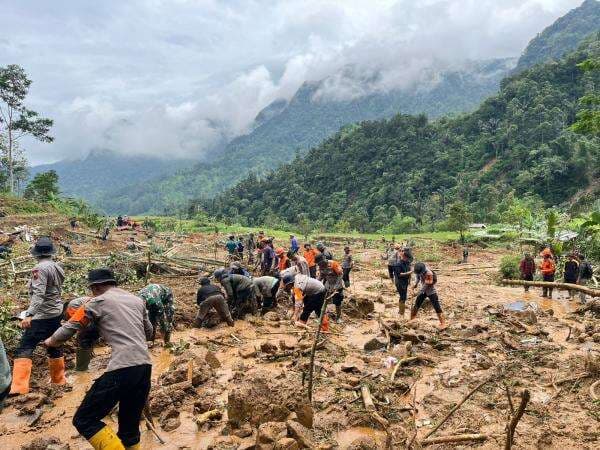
x=161 y=310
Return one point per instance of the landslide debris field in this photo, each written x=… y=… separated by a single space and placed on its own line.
x=380 y=381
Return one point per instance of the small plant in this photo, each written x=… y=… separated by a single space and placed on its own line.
x=509 y=267
x=9 y=330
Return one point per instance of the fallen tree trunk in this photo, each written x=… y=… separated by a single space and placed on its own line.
x=564 y=286
x=454 y=438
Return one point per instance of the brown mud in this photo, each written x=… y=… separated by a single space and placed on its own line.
x=245 y=387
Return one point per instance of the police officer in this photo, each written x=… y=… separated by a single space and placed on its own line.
x=42 y=318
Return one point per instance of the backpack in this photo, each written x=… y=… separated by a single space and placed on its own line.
x=586 y=270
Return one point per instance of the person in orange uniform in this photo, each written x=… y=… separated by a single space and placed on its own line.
x=310 y=255
x=547 y=268
x=283 y=262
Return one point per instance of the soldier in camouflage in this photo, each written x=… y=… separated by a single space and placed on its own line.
x=161 y=308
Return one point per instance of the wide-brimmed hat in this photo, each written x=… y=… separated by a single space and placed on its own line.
x=43 y=247
x=101 y=276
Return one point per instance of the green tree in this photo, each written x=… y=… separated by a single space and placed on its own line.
x=459 y=218
x=16 y=120
x=588 y=119
x=43 y=187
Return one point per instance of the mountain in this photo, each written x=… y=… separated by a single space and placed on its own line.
x=563 y=36
x=373 y=174
x=285 y=128
x=103 y=170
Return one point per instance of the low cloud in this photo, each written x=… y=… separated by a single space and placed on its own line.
x=178 y=78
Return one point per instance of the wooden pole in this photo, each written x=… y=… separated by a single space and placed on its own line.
x=512 y=425
x=314 y=347
x=564 y=286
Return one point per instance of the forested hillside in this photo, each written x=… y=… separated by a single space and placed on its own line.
x=377 y=172
x=103 y=171
x=563 y=36
x=284 y=129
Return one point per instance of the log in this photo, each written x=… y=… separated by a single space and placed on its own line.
x=454 y=438
x=512 y=424
x=314 y=347
x=564 y=286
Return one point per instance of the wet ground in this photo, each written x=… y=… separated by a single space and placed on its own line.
x=515 y=337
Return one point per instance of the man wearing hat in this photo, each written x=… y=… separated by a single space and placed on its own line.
x=122 y=321
x=42 y=318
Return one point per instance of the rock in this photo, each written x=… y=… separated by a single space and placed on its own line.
x=244 y=431
x=212 y=360
x=362 y=306
x=169 y=420
x=305 y=415
x=180 y=367
x=286 y=444
x=374 y=344
x=267 y=347
x=225 y=443
x=288 y=344
x=46 y=443
x=271 y=316
x=301 y=434
x=271 y=432
x=247 y=351
x=363 y=443
x=264 y=396
x=596 y=337
x=247 y=444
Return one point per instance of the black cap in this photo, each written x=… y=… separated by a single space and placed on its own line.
x=101 y=276
x=43 y=247
x=320 y=258
x=204 y=281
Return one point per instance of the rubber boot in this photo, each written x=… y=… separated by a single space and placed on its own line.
x=338 y=313
x=167 y=338
x=325 y=324
x=57 y=370
x=83 y=356
x=401 y=308
x=106 y=439
x=20 y=377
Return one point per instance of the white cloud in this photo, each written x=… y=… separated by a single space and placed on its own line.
x=177 y=77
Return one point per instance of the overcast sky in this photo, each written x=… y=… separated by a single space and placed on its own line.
x=173 y=77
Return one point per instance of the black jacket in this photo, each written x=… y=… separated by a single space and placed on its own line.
x=208 y=290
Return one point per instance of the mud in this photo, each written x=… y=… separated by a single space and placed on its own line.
x=217 y=388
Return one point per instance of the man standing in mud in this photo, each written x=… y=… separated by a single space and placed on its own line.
x=42 y=318
x=161 y=309
x=121 y=318
x=428 y=279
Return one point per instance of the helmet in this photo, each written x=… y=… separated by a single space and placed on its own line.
x=280 y=251
x=219 y=273
x=419 y=268
x=288 y=278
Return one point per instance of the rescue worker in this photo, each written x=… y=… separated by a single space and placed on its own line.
x=231 y=246
x=324 y=250
x=239 y=290
x=121 y=319
x=309 y=295
x=267 y=257
x=240 y=248
x=210 y=296
x=347 y=265
x=547 y=268
x=250 y=247
x=161 y=309
x=310 y=254
x=266 y=289
x=301 y=263
x=331 y=274
x=86 y=338
x=527 y=269
x=388 y=257
x=236 y=268
x=402 y=274
x=571 y=271
x=586 y=272
x=427 y=279
x=294 y=247
x=282 y=261
x=42 y=318
x=5 y=378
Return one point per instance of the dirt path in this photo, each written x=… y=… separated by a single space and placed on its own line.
x=524 y=349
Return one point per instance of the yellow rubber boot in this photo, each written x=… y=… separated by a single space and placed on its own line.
x=106 y=439
x=21 y=375
x=57 y=370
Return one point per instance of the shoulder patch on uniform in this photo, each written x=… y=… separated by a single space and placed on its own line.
x=35 y=273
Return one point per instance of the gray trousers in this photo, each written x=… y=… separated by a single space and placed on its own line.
x=217 y=302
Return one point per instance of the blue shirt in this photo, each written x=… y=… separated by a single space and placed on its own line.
x=294 y=244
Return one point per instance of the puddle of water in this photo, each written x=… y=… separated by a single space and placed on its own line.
x=346 y=437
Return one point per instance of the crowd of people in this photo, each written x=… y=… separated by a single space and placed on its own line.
x=576 y=270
